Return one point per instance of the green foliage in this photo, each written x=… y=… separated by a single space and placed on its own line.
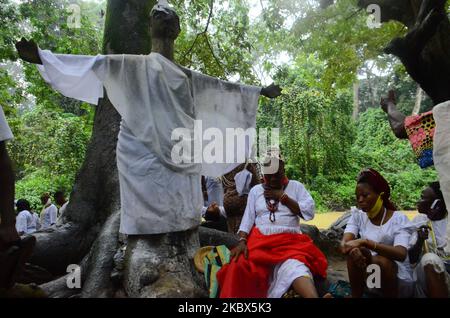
x=316 y=129
x=215 y=42
x=10 y=91
x=50 y=142
x=39 y=182
x=377 y=147
x=49 y=28
x=9 y=20
x=51 y=131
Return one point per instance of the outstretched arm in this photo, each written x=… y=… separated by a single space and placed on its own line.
x=74 y=76
x=271 y=91
x=28 y=51
x=396 y=118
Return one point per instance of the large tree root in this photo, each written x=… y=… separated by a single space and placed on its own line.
x=161 y=266
x=100 y=262
x=95 y=267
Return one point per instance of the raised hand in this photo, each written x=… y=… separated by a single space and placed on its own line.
x=28 y=51
x=390 y=99
x=273 y=194
x=423 y=233
x=271 y=91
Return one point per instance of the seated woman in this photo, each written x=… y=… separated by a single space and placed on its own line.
x=427 y=245
x=384 y=239
x=277 y=255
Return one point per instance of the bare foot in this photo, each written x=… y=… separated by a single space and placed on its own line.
x=327 y=295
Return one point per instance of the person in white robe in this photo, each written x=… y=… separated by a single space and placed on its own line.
x=24 y=220
x=49 y=213
x=258 y=215
x=292 y=204
x=427 y=245
x=377 y=234
x=36 y=224
x=61 y=201
x=160 y=186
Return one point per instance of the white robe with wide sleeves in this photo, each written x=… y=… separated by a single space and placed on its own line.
x=154 y=97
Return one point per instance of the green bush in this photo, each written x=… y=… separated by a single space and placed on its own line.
x=34 y=185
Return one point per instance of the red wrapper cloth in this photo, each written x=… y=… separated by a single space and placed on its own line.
x=249 y=278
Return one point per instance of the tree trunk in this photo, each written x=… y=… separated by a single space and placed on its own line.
x=418 y=104
x=355 y=100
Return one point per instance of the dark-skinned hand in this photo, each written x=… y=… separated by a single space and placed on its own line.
x=390 y=99
x=238 y=250
x=271 y=91
x=28 y=51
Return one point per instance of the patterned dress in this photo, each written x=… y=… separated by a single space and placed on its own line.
x=420 y=130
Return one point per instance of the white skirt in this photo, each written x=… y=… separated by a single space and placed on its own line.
x=284 y=274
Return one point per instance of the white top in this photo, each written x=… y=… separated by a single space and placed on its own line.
x=5 y=131
x=256 y=212
x=36 y=224
x=24 y=222
x=394 y=232
x=439 y=228
x=49 y=216
x=441 y=154
x=155 y=98
x=62 y=209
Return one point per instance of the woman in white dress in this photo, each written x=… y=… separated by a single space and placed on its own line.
x=24 y=220
x=383 y=240
x=427 y=246
x=277 y=255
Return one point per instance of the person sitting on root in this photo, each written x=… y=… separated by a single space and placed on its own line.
x=25 y=222
x=427 y=244
x=62 y=202
x=277 y=256
x=49 y=213
x=384 y=239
